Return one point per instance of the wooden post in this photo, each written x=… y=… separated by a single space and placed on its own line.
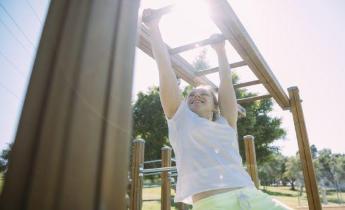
x=71 y=147
x=252 y=168
x=304 y=150
x=165 y=176
x=137 y=177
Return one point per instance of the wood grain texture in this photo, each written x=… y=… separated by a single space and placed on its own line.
x=165 y=177
x=304 y=150
x=137 y=179
x=249 y=148
x=76 y=120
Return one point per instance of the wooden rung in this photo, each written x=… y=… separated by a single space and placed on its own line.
x=246 y=84
x=156 y=13
x=196 y=44
x=252 y=99
x=216 y=69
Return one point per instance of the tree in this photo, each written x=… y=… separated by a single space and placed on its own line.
x=258 y=123
x=293 y=171
x=326 y=162
x=4 y=157
x=200 y=61
x=313 y=151
x=331 y=168
x=149 y=123
x=272 y=170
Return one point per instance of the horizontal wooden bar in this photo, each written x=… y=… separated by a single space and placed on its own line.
x=157 y=13
x=246 y=84
x=228 y=23
x=252 y=99
x=195 y=45
x=153 y=170
x=216 y=69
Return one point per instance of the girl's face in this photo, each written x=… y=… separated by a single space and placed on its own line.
x=200 y=101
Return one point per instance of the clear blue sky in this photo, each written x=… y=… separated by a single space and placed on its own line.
x=302 y=41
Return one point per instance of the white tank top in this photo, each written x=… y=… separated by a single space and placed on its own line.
x=207 y=154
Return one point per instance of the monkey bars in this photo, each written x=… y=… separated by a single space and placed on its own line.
x=233 y=31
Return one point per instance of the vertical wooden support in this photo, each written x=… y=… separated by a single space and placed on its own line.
x=165 y=176
x=252 y=168
x=137 y=177
x=71 y=147
x=304 y=150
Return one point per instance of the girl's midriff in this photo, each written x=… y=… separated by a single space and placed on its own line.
x=209 y=193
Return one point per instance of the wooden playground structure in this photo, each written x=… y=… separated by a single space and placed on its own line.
x=71 y=148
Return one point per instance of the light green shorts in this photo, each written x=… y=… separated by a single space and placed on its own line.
x=240 y=199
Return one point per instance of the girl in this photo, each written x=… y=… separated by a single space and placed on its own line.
x=202 y=132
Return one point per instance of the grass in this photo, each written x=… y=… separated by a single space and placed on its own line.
x=291 y=198
x=283 y=194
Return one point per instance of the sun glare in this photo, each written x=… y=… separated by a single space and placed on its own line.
x=188 y=21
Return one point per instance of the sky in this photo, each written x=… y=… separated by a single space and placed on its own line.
x=302 y=42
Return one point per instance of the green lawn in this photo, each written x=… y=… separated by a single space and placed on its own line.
x=283 y=194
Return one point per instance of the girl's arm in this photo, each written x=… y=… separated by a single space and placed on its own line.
x=169 y=92
x=226 y=92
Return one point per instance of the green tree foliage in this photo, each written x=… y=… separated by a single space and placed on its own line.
x=313 y=151
x=149 y=123
x=272 y=170
x=200 y=61
x=331 y=168
x=4 y=156
x=293 y=171
x=264 y=128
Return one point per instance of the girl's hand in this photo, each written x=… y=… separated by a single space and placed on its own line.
x=219 y=42
x=150 y=18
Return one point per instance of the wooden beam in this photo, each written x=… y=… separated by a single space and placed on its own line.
x=304 y=150
x=216 y=69
x=71 y=147
x=246 y=84
x=252 y=99
x=231 y=27
x=194 y=45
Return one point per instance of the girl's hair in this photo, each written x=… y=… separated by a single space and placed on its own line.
x=214 y=95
